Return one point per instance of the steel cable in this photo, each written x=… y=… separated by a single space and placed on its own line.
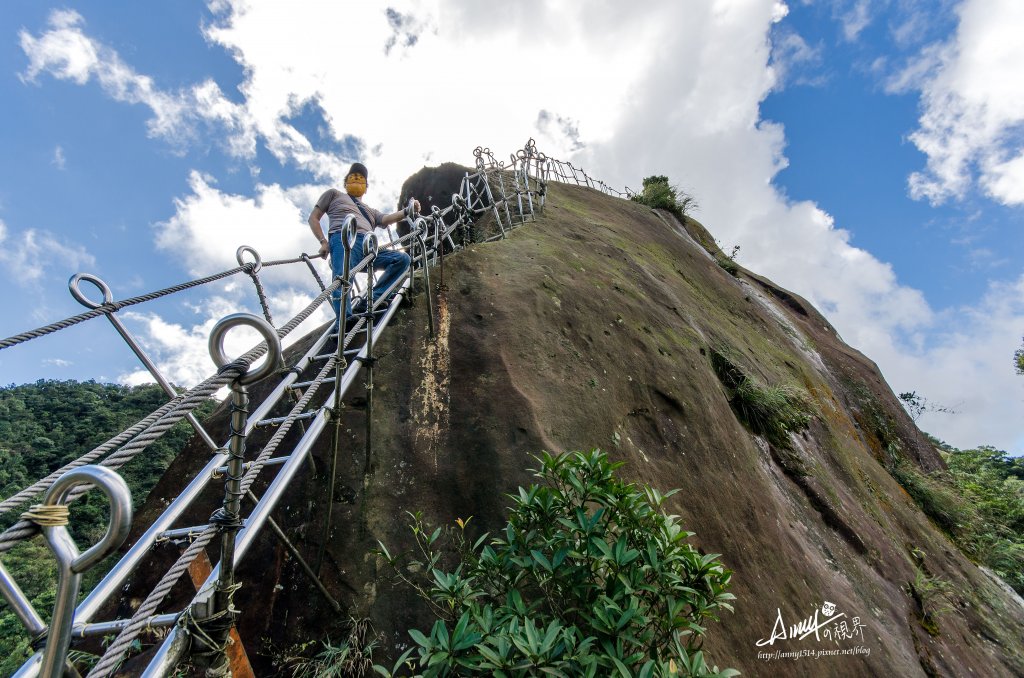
x=262 y=295
x=114 y=306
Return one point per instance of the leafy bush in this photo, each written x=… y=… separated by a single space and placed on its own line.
x=588 y=578
x=990 y=484
x=659 y=194
x=978 y=502
x=1018 y=360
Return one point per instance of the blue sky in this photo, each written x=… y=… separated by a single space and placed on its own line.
x=865 y=153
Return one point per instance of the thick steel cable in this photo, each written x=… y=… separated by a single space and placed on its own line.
x=312 y=269
x=111 y=658
x=114 y=306
x=139 y=621
x=262 y=295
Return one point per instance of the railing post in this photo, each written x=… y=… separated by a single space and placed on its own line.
x=75 y=286
x=348 y=241
x=218 y=620
x=51 y=515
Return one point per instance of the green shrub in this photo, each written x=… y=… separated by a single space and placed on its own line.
x=658 y=193
x=771 y=411
x=933 y=596
x=978 y=502
x=1018 y=360
x=935 y=498
x=589 y=578
x=730 y=266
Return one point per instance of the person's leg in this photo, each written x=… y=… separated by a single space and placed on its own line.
x=337 y=250
x=394 y=265
x=354 y=258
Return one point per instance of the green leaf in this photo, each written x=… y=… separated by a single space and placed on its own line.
x=531 y=636
x=420 y=639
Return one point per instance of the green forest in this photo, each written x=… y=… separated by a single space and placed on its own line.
x=44 y=426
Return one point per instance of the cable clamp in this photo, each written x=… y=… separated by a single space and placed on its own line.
x=224 y=520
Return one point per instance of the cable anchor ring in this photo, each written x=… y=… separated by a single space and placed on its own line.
x=257 y=264
x=265 y=329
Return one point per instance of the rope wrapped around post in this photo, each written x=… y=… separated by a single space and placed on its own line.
x=252 y=269
x=215 y=624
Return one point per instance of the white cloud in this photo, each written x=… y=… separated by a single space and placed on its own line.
x=57 y=362
x=27 y=256
x=856 y=19
x=181 y=351
x=969 y=369
x=208 y=227
x=973 y=106
x=451 y=74
x=792 y=57
x=67 y=53
x=58 y=158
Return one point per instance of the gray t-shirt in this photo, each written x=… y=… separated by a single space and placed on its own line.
x=337 y=205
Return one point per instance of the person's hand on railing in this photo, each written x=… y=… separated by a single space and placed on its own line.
x=412 y=208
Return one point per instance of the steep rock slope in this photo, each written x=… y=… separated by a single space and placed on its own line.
x=596 y=327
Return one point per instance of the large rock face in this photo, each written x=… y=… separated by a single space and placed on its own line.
x=595 y=327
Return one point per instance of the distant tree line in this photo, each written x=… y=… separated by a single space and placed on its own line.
x=44 y=426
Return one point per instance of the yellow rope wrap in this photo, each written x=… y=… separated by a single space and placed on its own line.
x=47 y=515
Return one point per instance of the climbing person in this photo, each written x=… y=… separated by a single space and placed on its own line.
x=338 y=205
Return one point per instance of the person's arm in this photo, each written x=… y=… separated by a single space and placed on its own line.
x=395 y=217
x=318 y=233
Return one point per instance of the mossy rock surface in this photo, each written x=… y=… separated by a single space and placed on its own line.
x=594 y=327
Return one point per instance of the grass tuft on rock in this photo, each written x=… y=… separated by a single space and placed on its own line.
x=769 y=411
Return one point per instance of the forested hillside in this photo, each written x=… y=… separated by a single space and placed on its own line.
x=43 y=426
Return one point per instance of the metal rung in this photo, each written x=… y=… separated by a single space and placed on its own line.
x=116 y=626
x=325 y=356
x=304 y=384
x=181 y=532
x=273 y=461
x=280 y=420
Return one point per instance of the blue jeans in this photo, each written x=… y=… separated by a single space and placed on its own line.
x=392 y=262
